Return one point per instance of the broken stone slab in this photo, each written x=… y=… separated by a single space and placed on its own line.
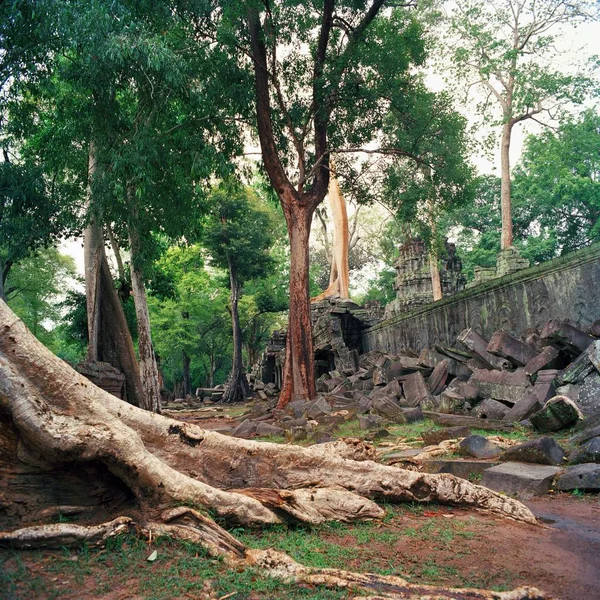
x=366 y=422
x=393 y=389
x=547 y=376
x=589 y=452
x=542 y=451
x=558 y=413
x=520 y=480
x=464 y=468
x=536 y=398
x=401 y=455
x=585 y=477
x=490 y=409
x=296 y=434
x=576 y=371
x=570 y=390
x=264 y=429
x=469 y=392
x=566 y=337
x=437 y=380
x=434 y=437
x=245 y=430
x=589 y=395
x=403 y=366
x=501 y=385
x=389 y=408
x=296 y=408
x=454 y=353
x=506 y=346
x=477 y=344
x=451 y=402
x=413 y=414
x=478 y=446
x=468 y=421
x=546 y=359
x=416 y=391
x=320 y=407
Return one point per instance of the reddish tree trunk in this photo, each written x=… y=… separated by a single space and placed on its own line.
x=298 y=376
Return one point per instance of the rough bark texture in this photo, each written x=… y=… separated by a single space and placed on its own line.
x=507 y=229
x=148 y=366
x=54 y=418
x=237 y=388
x=298 y=374
x=339 y=275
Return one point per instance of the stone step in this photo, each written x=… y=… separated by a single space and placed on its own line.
x=520 y=480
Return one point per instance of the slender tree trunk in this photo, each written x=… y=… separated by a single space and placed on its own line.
x=237 y=388
x=109 y=337
x=186 y=387
x=148 y=366
x=298 y=375
x=93 y=253
x=505 y=203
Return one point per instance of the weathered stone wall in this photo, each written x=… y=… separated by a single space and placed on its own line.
x=564 y=288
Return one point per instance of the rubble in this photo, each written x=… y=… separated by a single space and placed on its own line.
x=520 y=480
x=542 y=451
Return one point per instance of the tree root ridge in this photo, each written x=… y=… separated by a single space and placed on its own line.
x=389 y=587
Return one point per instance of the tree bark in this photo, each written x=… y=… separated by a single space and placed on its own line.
x=505 y=202
x=298 y=376
x=237 y=388
x=148 y=366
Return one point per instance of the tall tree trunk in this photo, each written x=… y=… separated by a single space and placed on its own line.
x=2 y=280
x=505 y=203
x=148 y=366
x=237 y=388
x=298 y=375
x=109 y=337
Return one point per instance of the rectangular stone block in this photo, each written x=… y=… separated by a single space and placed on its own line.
x=544 y=360
x=416 y=391
x=566 y=337
x=477 y=344
x=510 y=348
x=520 y=480
x=501 y=385
x=535 y=399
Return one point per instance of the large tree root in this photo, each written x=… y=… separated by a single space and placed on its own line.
x=59 y=418
x=190 y=526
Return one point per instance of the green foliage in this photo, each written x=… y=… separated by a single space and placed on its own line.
x=32 y=215
x=477 y=227
x=194 y=320
x=558 y=180
x=34 y=287
x=238 y=232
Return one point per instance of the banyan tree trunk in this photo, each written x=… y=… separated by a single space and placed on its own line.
x=56 y=425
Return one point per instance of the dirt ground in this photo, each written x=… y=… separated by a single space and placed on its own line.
x=423 y=543
x=430 y=544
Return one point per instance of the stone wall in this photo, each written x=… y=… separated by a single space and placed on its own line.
x=564 y=288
